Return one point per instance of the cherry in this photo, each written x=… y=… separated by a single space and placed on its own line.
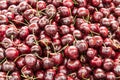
x=108 y=64
x=92 y=42
x=48 y=62
x=82 y=12
x=30 y=60
x=50 y=10
x=99 y=41
x=60 y=76
x=62 y=69
x=114 y=25
x=110 y=76
x=67 y=39
x=117 y=11
x=49 y=74
x=68 y=3
x=105 y=11
x=15 y=75
x=81 y=45
x=24 y=32
x=11 y=53
x=66 y=20
x=18 y=20
x=83 y=73
x=57 y=3
x=95 y=2
x=51 y=29
x=36 y=49
x=71 y=52
x=91 y=53
x=108 y=42
x=84 y=27
x=64 y=11
x=106 y=51
x=3 y=19
x=96 y=62
x=33 y=28
x=8 y=66
x=20 y=62
x=38 y=65
x=43 y=22
x=34 y=20
x=97 y=16
x=77 y=34
x=58 y=58
x=40 y=75
x=10 y=15
x=2 y=75
x=116 y=69
x=73 y=65
x=1 y=53
x=103 y=31
x=32 y=3
x=82 y=3
x=3 y=5
x=99 y=74
x=12 y=2
x=64 y=29
x=13 y=9
x=26 y=71
x=94 y=27
x=23 y=48
x=105 y=22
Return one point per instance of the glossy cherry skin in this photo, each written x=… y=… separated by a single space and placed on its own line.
x=20 y=62
x=33 y=28
x=117 y=11
x=114 y=25
x=62 y=69
x=40 y=75
x=97 y=16
x=83 y=73
x=108 y=42
x=48 y=62
x=26 y=71
x=73 y=65
x=82 y=12
x=71 y=52
x=82 y=3
x=64 y=11
x=49 y=74
x=67 y=39
x=24 y=32
x=96 y=62
x=43 y=22
x=116 y=69
x=36 y=49
x=51 y=29
x=103 y=31
x=91 y=53
x=60 y=76
x=99 y=74
x=11 y=53
x=68 y=3
x=108 y=64
x=105 y=11
x=15 y=76
x=110 y=76
x=8 y=66
x=78 y=22
x=94 y=28
x=1 y=53
x=58 y=58
x=85 y=28
x=105 y=22
x=95 y=2
x=99 y=41
x=66 y=20
x=19 y=20
x=38 y=66
x=92 y=42
x=34 y=20
x=3 y=19
x=64 y=29
x=81 y=45
x=106 y=51
x=77 y=34
x=3 y=75
x=30 y=60
x=3 y=5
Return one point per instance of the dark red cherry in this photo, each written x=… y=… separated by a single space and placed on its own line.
x=57 y=3
x=99 y=41
x=3 y=19
x=99 y=74
x=95 y=2
x=36 y=49
x=117 y=11
x=96 y=62
x=91 y=53
x=26 y=71
x=30 y=60
x=67 y=39
x=108 y=64
x=106 y=51
x=40 y=75
x=50 y=74
x=60 y=76
x=3 y=75
x=105 y=11
x=43 y=22
x=68 y=3
x=2 y=53
x=73 y=65
x=3 y=5
x=32 y=3
x=34 y=20
x=10 y=2
x=20 y=62
x=15 y=76
x=116 y=69
x=62 y=69
x=24 y=32
x=48 y=62
x=33 y=28
x=51 y=29
x=66 y=20
x=77 y=34
x=82 y=12
x=92 y=42
x=11 y=53
x=103 y=31
x=97 y=16
x=58 y=58
x=94 y=28
x=82 y=3
x=85 y=28
x=64 y=11
x=81 y=45
x=105 y=22
x=71 y=52
x=19 y=19
x=78 y=22
x=10 y=15
x=64 y=29
x=83 y=73
x=8 y=66
x=108 y=42
x=114 y=25
x=110 y=76
x=38 y=65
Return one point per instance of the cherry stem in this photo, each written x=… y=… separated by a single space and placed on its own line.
x=3 y=60
x=74 y=19
x=20 y=22
x=62 y=48
x=38 y=56
x=19 y=57
x=94 y=33
x=53 y=47
x=7 y=78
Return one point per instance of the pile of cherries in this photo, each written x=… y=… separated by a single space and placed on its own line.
x=59 y=39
